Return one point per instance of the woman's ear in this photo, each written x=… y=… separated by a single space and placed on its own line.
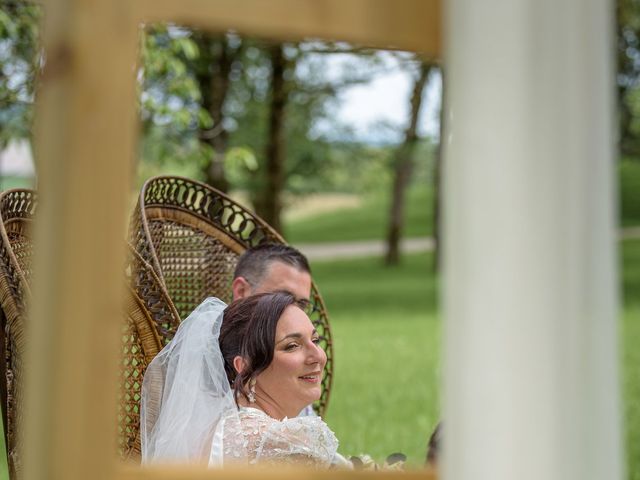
x=239 y=364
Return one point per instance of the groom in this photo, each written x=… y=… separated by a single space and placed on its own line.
x=270 y=267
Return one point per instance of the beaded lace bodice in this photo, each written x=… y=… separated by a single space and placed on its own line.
x=306 y=441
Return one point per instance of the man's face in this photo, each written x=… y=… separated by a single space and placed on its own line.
x=281 y=276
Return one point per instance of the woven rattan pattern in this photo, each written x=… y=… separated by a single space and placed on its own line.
x=131 y=371
x=140 y=342
x=148 y=312
x=16 y=209
x=192 y=235
x=152 y=293
x=193 y=264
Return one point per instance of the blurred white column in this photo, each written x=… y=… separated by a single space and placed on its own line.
x=531 y=389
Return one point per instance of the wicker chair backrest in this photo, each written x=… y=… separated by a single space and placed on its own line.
x=145 y=314
x=192 y=235
x=17 y=208
x=148 y=312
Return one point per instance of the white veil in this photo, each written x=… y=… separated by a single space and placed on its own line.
x=186 y=394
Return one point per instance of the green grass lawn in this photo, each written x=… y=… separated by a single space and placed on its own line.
x=367 y=222
x=630 y=339
x=387 y=344
x=387 y=350
x=629 y=174
x=10 y=181
x=630 y=354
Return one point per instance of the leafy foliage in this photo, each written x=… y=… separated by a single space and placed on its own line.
x=172 y=113
x=169 y=100
x=19 y=60
x=628 y=78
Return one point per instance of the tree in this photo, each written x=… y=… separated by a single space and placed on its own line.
x=271 y=204
x=437 y=182
x=219 y=55
x=403 y=165
x=628 y=77
x=215 y=107
x=285 y=93
x=170 y=109
x=19 y=62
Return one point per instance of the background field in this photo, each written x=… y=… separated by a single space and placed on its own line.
x=387 y=347
x=368 y=220
x=387 y=330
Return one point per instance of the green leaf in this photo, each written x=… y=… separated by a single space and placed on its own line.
x=188 y=48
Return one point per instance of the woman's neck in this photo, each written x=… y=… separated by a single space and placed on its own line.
x=268 y=405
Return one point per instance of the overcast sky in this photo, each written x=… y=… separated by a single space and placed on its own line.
x=387 y=99
x=371 y=107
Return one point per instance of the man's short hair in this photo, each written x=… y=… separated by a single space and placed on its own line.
x=253 y=263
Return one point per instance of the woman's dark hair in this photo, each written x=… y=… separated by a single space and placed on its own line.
x=249 y=330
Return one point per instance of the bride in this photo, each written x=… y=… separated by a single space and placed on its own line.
x=228 y=388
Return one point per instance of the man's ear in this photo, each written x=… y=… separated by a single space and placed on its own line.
x=238 y=363
x=240 y=288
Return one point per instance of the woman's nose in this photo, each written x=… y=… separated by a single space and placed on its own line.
x=317 y=355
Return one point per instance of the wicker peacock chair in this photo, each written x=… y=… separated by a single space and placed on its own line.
x=16 y=211
x=192 y=235
x=149 y=315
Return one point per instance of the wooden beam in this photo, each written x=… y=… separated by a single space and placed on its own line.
x=84 y=143
x=199 y=473
x=404 y=24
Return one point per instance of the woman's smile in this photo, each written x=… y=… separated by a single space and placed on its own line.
x=311 y=378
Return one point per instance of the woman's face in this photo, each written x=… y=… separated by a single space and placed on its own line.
x=293 y=380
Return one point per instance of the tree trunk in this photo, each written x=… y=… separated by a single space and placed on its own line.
x=212 y=75
x=437 y=183
x=403 y=168
x=271 y=204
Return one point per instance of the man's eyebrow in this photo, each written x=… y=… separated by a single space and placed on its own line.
x=295 y=335
x=303 y=301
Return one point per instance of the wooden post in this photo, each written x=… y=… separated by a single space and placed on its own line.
x=85 y=135
x=532 y=386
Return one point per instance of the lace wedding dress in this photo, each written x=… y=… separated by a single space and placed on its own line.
x=258 y=438
x=188 y=413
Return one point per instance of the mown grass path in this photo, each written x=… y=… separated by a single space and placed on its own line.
x=369 y=248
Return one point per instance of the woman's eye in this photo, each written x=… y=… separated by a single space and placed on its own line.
x=291 y=346
x=316 y=340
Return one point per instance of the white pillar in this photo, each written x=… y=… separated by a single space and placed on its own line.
x=531 y=388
